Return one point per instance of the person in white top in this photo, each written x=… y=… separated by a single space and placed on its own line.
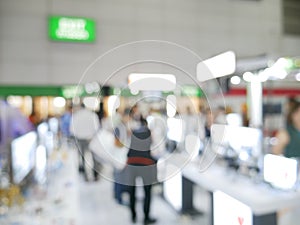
x=84 y=125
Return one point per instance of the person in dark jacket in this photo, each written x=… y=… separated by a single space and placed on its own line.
x=140 y=163
x=288 y=139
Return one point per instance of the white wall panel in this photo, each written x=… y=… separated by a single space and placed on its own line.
x=207 y=27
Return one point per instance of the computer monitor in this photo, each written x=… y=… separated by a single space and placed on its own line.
x=279 y=171
x=243 y=142
x=228 y=210
x=23 y=156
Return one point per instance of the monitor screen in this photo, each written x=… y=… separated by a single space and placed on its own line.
x=228 y=210
x=241 y=140
x=23 y=156
x=279 y=171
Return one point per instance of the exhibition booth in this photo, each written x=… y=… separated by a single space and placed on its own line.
x=246 y=184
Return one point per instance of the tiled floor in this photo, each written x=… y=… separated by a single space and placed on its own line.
x=97 y=206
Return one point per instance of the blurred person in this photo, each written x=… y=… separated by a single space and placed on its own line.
x=135 y=116
x=191 y=121
x=121 y=128
x=34 y=118
x=220 y=115
x=65 y=122
x=140 y=163
x=201 y=118
x=121 y=143
x=209 y=120
x=85 y=124
x=288 y=139
x=13 y=124
x=119 y=155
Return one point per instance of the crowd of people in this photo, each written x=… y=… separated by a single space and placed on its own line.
x=132 y=141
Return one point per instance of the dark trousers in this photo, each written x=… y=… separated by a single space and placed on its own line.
x=147 y=200
x=82 y=148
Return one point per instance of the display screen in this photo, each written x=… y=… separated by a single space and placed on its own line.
x=280 y=171
x=62 y=28
x=23 y=156
x=241 y=140
x=228 y=210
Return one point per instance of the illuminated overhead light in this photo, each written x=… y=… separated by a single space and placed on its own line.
x=297 y=76
x=91 y=102
x=235 y=80
x=217 y=66
x=264 y=75
x=281 y=74
x=151 y=82
x=92 y=87
x=59 y=102
x=281 y=63
x=248 y=76
x=15 y=101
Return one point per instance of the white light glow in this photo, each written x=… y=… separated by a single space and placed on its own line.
x=234 y=119
x=175 y=129
x=59 y=102
x=297 y=76
x=235 y=80
x=217 y=66
x=248 y=76
x=151 y=82
x=15 y=101
x=264 y=75
x=112 y=104
x=171 y=105
x=91 y=102
x=92 y=87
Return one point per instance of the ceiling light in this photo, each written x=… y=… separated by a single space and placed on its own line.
x=248 y=76
x=235 y=80
x=151 y=82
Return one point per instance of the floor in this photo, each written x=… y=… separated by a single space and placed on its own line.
x=98 y=207
x=67 y=198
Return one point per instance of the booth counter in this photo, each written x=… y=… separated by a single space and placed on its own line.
x=235 y=198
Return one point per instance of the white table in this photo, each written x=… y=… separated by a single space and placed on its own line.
x=263 y=200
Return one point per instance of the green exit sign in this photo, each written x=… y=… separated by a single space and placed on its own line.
x=63 y=28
